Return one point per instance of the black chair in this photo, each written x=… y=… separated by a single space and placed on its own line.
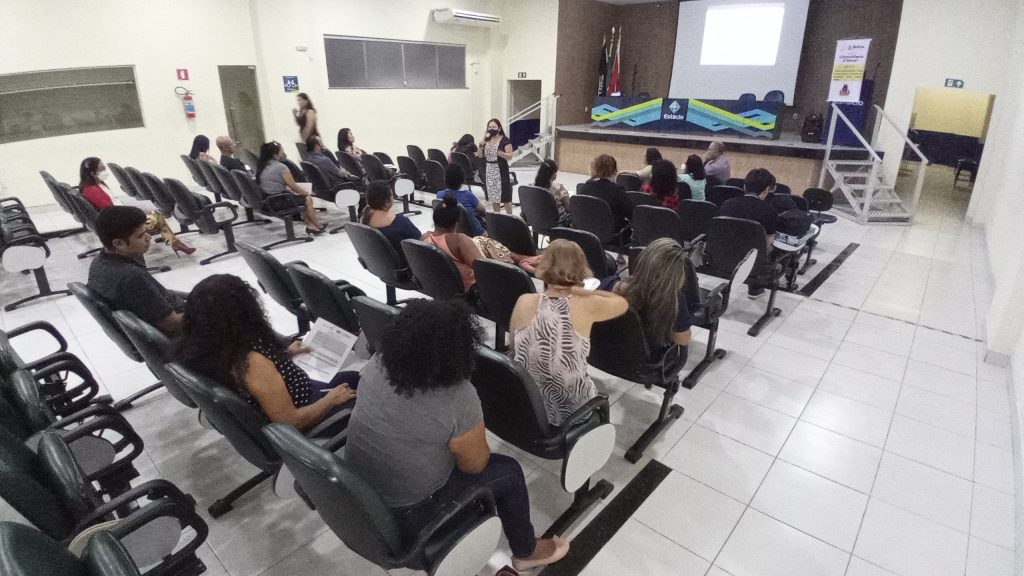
x=25 y=551
x=103 y=314
x=683 y=191
x=735 y=182
x=653 y=222
x=748 y=98
x=642 y=199
x=200 y=211
x=325 y=298
x=463 y=161
x=539 y=210
x=321 y=189
x=197 y=175
x=619 y=347
x=416 y=153
x=459 y=541
x=601 y=264
x=595 y=216
x=437 y=156
x=718 y=195
x=88 y=214
x=375 y=169
x=498 y=286
x=248 y=157
x=710 y=182
x=434 y=271
x=818 y=201
x=162 y=199
x=404 y=189
x=407 y=168
x=729 y=240
x=135 y=178
x=969 y=165
x=218 y=181
x=155 y=348
x=124 y=182
x=228 y=186
x=629 y=181
x=65 y=203
x=375 y=319
x=281 y=206
x=514 y=412
x=303 y=152
x=695 y=217
x=708 y=306
x=433 y=172
x=274 y=279
x=783 y=189
x=511 y=231
x=295 y=170
x=377 y=256
x=355 y=167
x=23 y=249
x=775 y=96
x=384 y=158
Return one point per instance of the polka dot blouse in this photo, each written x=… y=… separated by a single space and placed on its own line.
x=299 y=386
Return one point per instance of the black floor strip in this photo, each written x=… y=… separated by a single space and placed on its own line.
x=834 y=265
x=595 y=535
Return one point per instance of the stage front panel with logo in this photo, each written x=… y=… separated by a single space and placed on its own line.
x=743 y=118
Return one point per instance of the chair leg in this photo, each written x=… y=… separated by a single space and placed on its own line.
x=88 y=253
x=770 y=312
x=810 y=261
x=405 y=206
x=582 y=501
x=44 y=291
x=668 y=414
x=710 y=356
x=126 y=403
x=229 y=239
x=289 y=235
x=250 y=218
x=224 y=505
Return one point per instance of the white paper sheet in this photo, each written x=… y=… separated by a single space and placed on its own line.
x=329 y=347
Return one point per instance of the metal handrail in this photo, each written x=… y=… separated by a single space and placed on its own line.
x=836 y=110
x=531 y=108
x=906 y=139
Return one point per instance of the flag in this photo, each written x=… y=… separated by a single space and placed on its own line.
x=614 y=89
x=602 y=69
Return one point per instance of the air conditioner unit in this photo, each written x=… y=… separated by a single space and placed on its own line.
x=464 y=17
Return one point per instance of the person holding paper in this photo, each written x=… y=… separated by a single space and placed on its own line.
x=226 y=336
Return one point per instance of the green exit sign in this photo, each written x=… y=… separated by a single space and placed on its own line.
x=954 y=83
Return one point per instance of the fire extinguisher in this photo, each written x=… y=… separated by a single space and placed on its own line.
x=186 y=101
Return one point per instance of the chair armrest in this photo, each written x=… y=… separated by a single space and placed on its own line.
x=267 y=202
x=349 y=289
x=101 y=418
x=698 y=240
x=339 y=418
x=672 y=361
x=450 y=511
x=40 y=325
x=14 y=201
x=31 y=240
x=339 y=440
x=185 y=513
x=62 y=400
x=153 y=490
x=598 y=405
x=209 y=209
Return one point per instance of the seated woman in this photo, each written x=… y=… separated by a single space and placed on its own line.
x=601 y=185
x=347 y=143
x=550 y=331
x=417 y=433
x=466 y=145
x=651 y=156
x=274 y=177
x=200 y=149
x=92 y=176
x=654 y=291
x=226 y=336
x=663 y=184
x=546 y=175
x=460 y=247
x=693 y=175
x=377 y=214
x=455 y=180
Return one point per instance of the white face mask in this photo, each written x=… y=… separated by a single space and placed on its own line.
x=102 y=175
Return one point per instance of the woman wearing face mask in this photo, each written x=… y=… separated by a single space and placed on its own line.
x=274 y=177
x=305 y=116
x=92 y=175
x=495 y=145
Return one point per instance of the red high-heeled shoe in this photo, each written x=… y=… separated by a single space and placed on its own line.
x=179 y=246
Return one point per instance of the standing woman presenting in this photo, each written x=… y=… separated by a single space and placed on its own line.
x=495 y=145
x=305 y=117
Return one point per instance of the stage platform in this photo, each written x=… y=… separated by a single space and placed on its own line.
x=794 y=162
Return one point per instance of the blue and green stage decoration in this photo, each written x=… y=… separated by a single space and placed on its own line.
x=689 y=115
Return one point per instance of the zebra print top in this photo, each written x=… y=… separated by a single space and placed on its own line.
x=555 y=355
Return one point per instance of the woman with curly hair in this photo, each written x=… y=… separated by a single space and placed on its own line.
x=226 y=336
x=417 y=433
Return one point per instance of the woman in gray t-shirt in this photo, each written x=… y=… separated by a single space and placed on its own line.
x=274 y=177
x=417 y=432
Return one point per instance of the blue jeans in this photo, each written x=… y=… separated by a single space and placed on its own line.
x=504 y=477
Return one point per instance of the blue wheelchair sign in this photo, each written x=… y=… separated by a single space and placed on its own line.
x=291 y=83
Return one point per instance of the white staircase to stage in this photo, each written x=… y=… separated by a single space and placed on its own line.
x=541 y=146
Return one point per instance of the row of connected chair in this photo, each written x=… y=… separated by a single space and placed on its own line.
x=23 y=250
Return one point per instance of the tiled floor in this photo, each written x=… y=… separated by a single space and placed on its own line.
x=860 y=434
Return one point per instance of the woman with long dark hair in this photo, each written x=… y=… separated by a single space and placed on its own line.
x=226 y=336
x=466 y=145
x=498 y=185
x=651 y=155
x=274 y=177
x=545 y=179
x=347 y=143
x=305 y=116
x=663 y=183
x=693 y=175
x=200 y=149
x=654 y=291
x=92 y=176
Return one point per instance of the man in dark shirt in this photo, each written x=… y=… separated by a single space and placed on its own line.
x=119 y=273
x=751 y=206
x=335 y=175
x=228 y=148
x=600 y=185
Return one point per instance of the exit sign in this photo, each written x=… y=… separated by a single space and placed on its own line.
x=954 y=83
x=522 y=74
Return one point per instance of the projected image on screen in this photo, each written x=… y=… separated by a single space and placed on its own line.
x=742 y=35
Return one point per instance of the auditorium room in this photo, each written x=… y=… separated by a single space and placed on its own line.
x=511 y=287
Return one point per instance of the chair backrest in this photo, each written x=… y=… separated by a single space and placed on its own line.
x=272 y=277
x=409 y=168
x=512 y=405
x=498 y=286
x=351 y=164
x=434 y=173
x=462 y=161
x=25 y=488
x=303 y=153
x=642 y=199
x=250 y=158
x=323 y=297
x=295 y=170
x=376 y=253
x=775 y=96
x=123 y=181
x=597 y=258
x=317 y=179
x=416 y=153
x=375 y=318
x=511 y=231
x=695 y=217
x=384 y=158
x=347 y=504
x=375 y=169
x=683 y=191
x=593 y=215
x=653 y=222
x=718 y=195
x=56 y=192
x=783 y=189
x=155 y=348
x=233 y=417
x=218 y=179
x=137 y=183
x=748 y=97
x=85 y=209
x=818 y=199
x=437 y=156
x=161 y=197
x=193 y=170
x=250 y=194
x=191 y=205
x=728 y=242
x=538 y=208
x=735 y=182
x=619 y=347
x=710 y=182
x=66 y=476
x=103 y=314
x=25 y=551
x=434 y=271
x=630 y=181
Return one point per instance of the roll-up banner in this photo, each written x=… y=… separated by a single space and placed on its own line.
x=848 y=70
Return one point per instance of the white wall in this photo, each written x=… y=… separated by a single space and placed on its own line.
x=48 y=34
x=525 y=42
